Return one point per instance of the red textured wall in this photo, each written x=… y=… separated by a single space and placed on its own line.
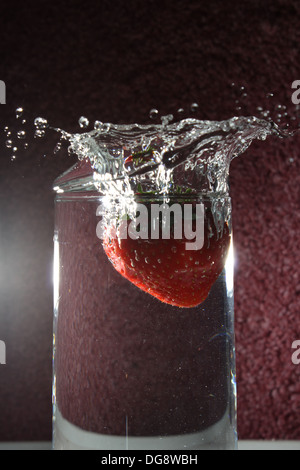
x=114 y=61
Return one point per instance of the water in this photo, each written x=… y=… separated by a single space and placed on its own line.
x=131 y=371
x=144 y=337
x=144 y=353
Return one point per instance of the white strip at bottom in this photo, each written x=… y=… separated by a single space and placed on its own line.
x=66 y=436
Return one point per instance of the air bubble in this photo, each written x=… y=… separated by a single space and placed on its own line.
x=194 y=107
x=9 y=144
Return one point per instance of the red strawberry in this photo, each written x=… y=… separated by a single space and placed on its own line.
x=165 y=269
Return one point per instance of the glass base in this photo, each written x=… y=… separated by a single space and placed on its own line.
x=66 y=436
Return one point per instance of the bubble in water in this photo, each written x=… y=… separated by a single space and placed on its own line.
x=153 y=113
x=83 y=122
x=194 y=107
x=21 y=135
x=26 y=145
x=13 y=158
x=9 y=144
x=19 y=112
x=15 y=149
x=180 y=111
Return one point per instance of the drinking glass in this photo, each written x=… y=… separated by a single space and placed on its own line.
x=141 y=364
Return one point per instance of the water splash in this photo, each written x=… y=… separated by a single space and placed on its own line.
x=189 y=153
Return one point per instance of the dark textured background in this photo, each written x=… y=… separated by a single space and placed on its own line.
x=114 y=61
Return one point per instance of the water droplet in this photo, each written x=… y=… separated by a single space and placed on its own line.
x=57 y=147
x=13 y=158
x=41 y=123
x=180 y=111
x=147 y=260
x=26 y=146
x=83 y=122
x=19 y=112
x=153 y=113
x=15 y=149
x=9 y=144
x=98 y=125
x=6 y=129
x=39 y=133
x=21 y=135
x=194 y=107
x=167 y=119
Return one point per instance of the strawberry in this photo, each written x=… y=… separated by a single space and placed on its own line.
x=165 y=268
x=138 y=158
